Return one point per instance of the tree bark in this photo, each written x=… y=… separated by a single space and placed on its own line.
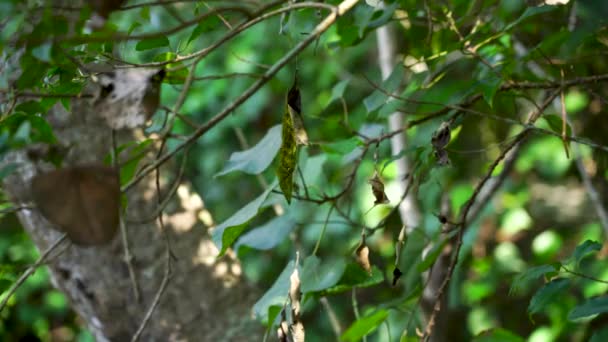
x=205 y=299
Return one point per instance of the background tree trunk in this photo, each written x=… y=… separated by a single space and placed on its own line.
x=205 y=298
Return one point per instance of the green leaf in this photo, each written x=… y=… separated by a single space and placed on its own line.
x=206 y=25
x=430 y=258
x=342 y=147
x=529 y=12
x=256 y=159
x=287 y=157
x=152 y=43
x=591 y=307
x=276 y=294
x=365 y=325
x=523 y=279
x=498 y=335
x=268 y=235
x=316 y=277
x=584 y=249
x=338 y=91
x=228 y=231
x=489 y=86
x=547 y=294
x=379 y=97
x=355 y=276
x=127 y=171
x=556 y=123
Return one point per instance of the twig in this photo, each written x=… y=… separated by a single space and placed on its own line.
x=123 y=230
x=322 y=27
x=333 y=318
x=167 y=273
x=30 y=270
x=464 y=216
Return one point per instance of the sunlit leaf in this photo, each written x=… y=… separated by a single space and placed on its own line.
x=364 y=326
x=256 y=159
x=228 y=231
x=268 y=235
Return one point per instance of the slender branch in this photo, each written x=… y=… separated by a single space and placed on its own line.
x=322 y=27
x=464 y=216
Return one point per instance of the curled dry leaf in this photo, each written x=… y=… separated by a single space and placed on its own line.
x=362 y=256
x=441 y=137
x=396 y=275
x=294 y=293
x=378 y=189
x=442 y=157
x=88 y=211
x=297 y=332
x=128 y=97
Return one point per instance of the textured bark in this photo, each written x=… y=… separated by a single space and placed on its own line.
x=205 y=299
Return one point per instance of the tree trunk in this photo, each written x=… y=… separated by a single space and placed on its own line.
x=205 y=299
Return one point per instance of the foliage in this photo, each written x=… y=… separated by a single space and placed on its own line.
x=481 y=69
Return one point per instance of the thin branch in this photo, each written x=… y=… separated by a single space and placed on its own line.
x=322 y=27
x=464 y=216
x=123 y=230
x=30 y=270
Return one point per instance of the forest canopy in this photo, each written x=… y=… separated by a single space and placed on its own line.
x=362 y=170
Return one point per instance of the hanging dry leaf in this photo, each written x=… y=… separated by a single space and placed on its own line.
x=441 y=137
x=442 y=157
x=378 y=189
x=88 y=211
x=283 y=328
x=362 y=256
x=294 y=107
x=294 y=293
x=128 y=97
x=297 y=332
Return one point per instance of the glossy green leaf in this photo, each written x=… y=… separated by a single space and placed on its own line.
x=152 y=43
x=268 y=235
x=228 y=231
x=591 y=307
x=364 y=325
x=355 y=276
x=547 y=294
x=523 y=279
x=584 y=249
x=317 y=276
x=256 y=159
